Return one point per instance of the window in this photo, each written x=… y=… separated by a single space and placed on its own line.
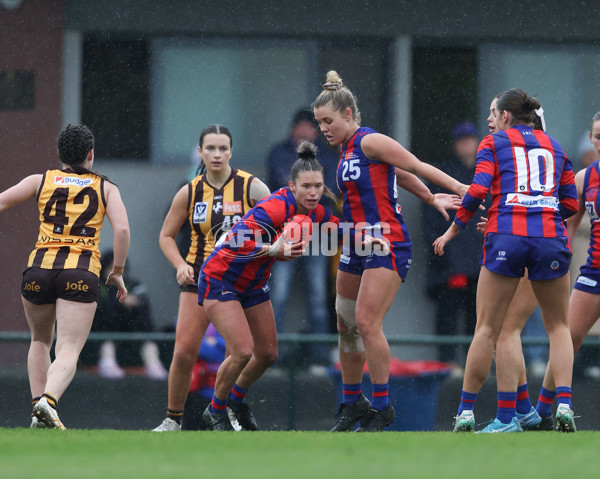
x=115 y=97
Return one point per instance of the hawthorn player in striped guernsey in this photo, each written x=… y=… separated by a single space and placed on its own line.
x=533 y=191
x=60 y=284
x=369 y=167
x=212 y=203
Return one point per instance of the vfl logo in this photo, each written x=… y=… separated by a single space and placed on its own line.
x=200 y=210
x=217 y=207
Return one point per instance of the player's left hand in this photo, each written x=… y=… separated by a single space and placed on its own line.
x=440 y=243
x=377 y=243
x=444 y=201
x=117 y=280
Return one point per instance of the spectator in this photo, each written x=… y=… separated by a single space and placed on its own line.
x=452 y=278
x=132 y=315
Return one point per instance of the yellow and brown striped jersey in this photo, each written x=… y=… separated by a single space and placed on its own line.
x=72 y=209
x=214 y=211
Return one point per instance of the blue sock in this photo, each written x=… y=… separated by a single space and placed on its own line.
x=545 y=401
x=218 y=406
x=351 y=393
x=507 y=402
x=238 y=394
x=467 y=401
x=523 y=402
x=563 y=395
x=380 y=397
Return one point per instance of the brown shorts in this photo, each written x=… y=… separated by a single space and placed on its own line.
x=45 y=286
x=191 y=288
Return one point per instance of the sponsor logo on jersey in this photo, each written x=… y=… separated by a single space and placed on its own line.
x=232 y=207
x=73 y=181
x=587 y=281
x=217 y=207
x=527 y=201
x=200 y=210
x=590 y=206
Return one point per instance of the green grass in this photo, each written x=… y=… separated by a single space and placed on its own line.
x=108 y=454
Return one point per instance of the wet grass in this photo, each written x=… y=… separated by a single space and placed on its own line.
x=26 y=453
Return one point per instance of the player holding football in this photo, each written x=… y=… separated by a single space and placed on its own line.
x=370 y=163
x=212 y=202
x=233 y=284
x=533 y=189
x=60 y=285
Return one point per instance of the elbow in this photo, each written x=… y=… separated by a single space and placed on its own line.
x=122 y=232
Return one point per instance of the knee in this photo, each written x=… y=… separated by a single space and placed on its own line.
x=184 y=357
x=241 y=355
x=366 y=326
x=266 y=357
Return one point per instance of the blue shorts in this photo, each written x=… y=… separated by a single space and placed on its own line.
x=509 y=255
x=210 y=288
x=588 y=280
x=399 y=259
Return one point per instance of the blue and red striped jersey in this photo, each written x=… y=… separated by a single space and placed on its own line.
x=531 y=182
x=238 y=259
x=591 y=197
x=369 y=190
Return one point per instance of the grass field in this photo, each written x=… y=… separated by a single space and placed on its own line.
x=108 y=454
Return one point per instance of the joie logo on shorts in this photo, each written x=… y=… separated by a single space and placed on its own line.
x=31 y=286
x=200 y=210
x=79 y=286
x=587 y=281
x=501 y=256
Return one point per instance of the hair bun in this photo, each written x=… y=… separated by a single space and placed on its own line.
x=332 y=81
x=307 y=151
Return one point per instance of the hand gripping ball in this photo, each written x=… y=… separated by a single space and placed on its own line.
x=298 y=229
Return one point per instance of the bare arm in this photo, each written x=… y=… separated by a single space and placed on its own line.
x=117 y=215
x=439 y=201
x=574 y=221
x=27 y=188
x=176 y=217
x=382 y=148
x=258 y=190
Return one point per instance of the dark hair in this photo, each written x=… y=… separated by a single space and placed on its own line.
x=304 y=115
x=74 y=144
x=521 y=106
x=595 y=118
x=218 y=130
x=307 y=161
x=340 y=96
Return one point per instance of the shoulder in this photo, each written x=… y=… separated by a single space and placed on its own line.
x=242 y=173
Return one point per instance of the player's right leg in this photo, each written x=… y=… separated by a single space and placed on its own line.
x=189 y=331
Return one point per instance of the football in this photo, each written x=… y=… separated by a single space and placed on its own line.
x=299 y=228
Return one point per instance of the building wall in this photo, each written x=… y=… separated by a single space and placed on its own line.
x=30 y=39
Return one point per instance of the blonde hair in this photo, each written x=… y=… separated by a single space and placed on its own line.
x=339 y=95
